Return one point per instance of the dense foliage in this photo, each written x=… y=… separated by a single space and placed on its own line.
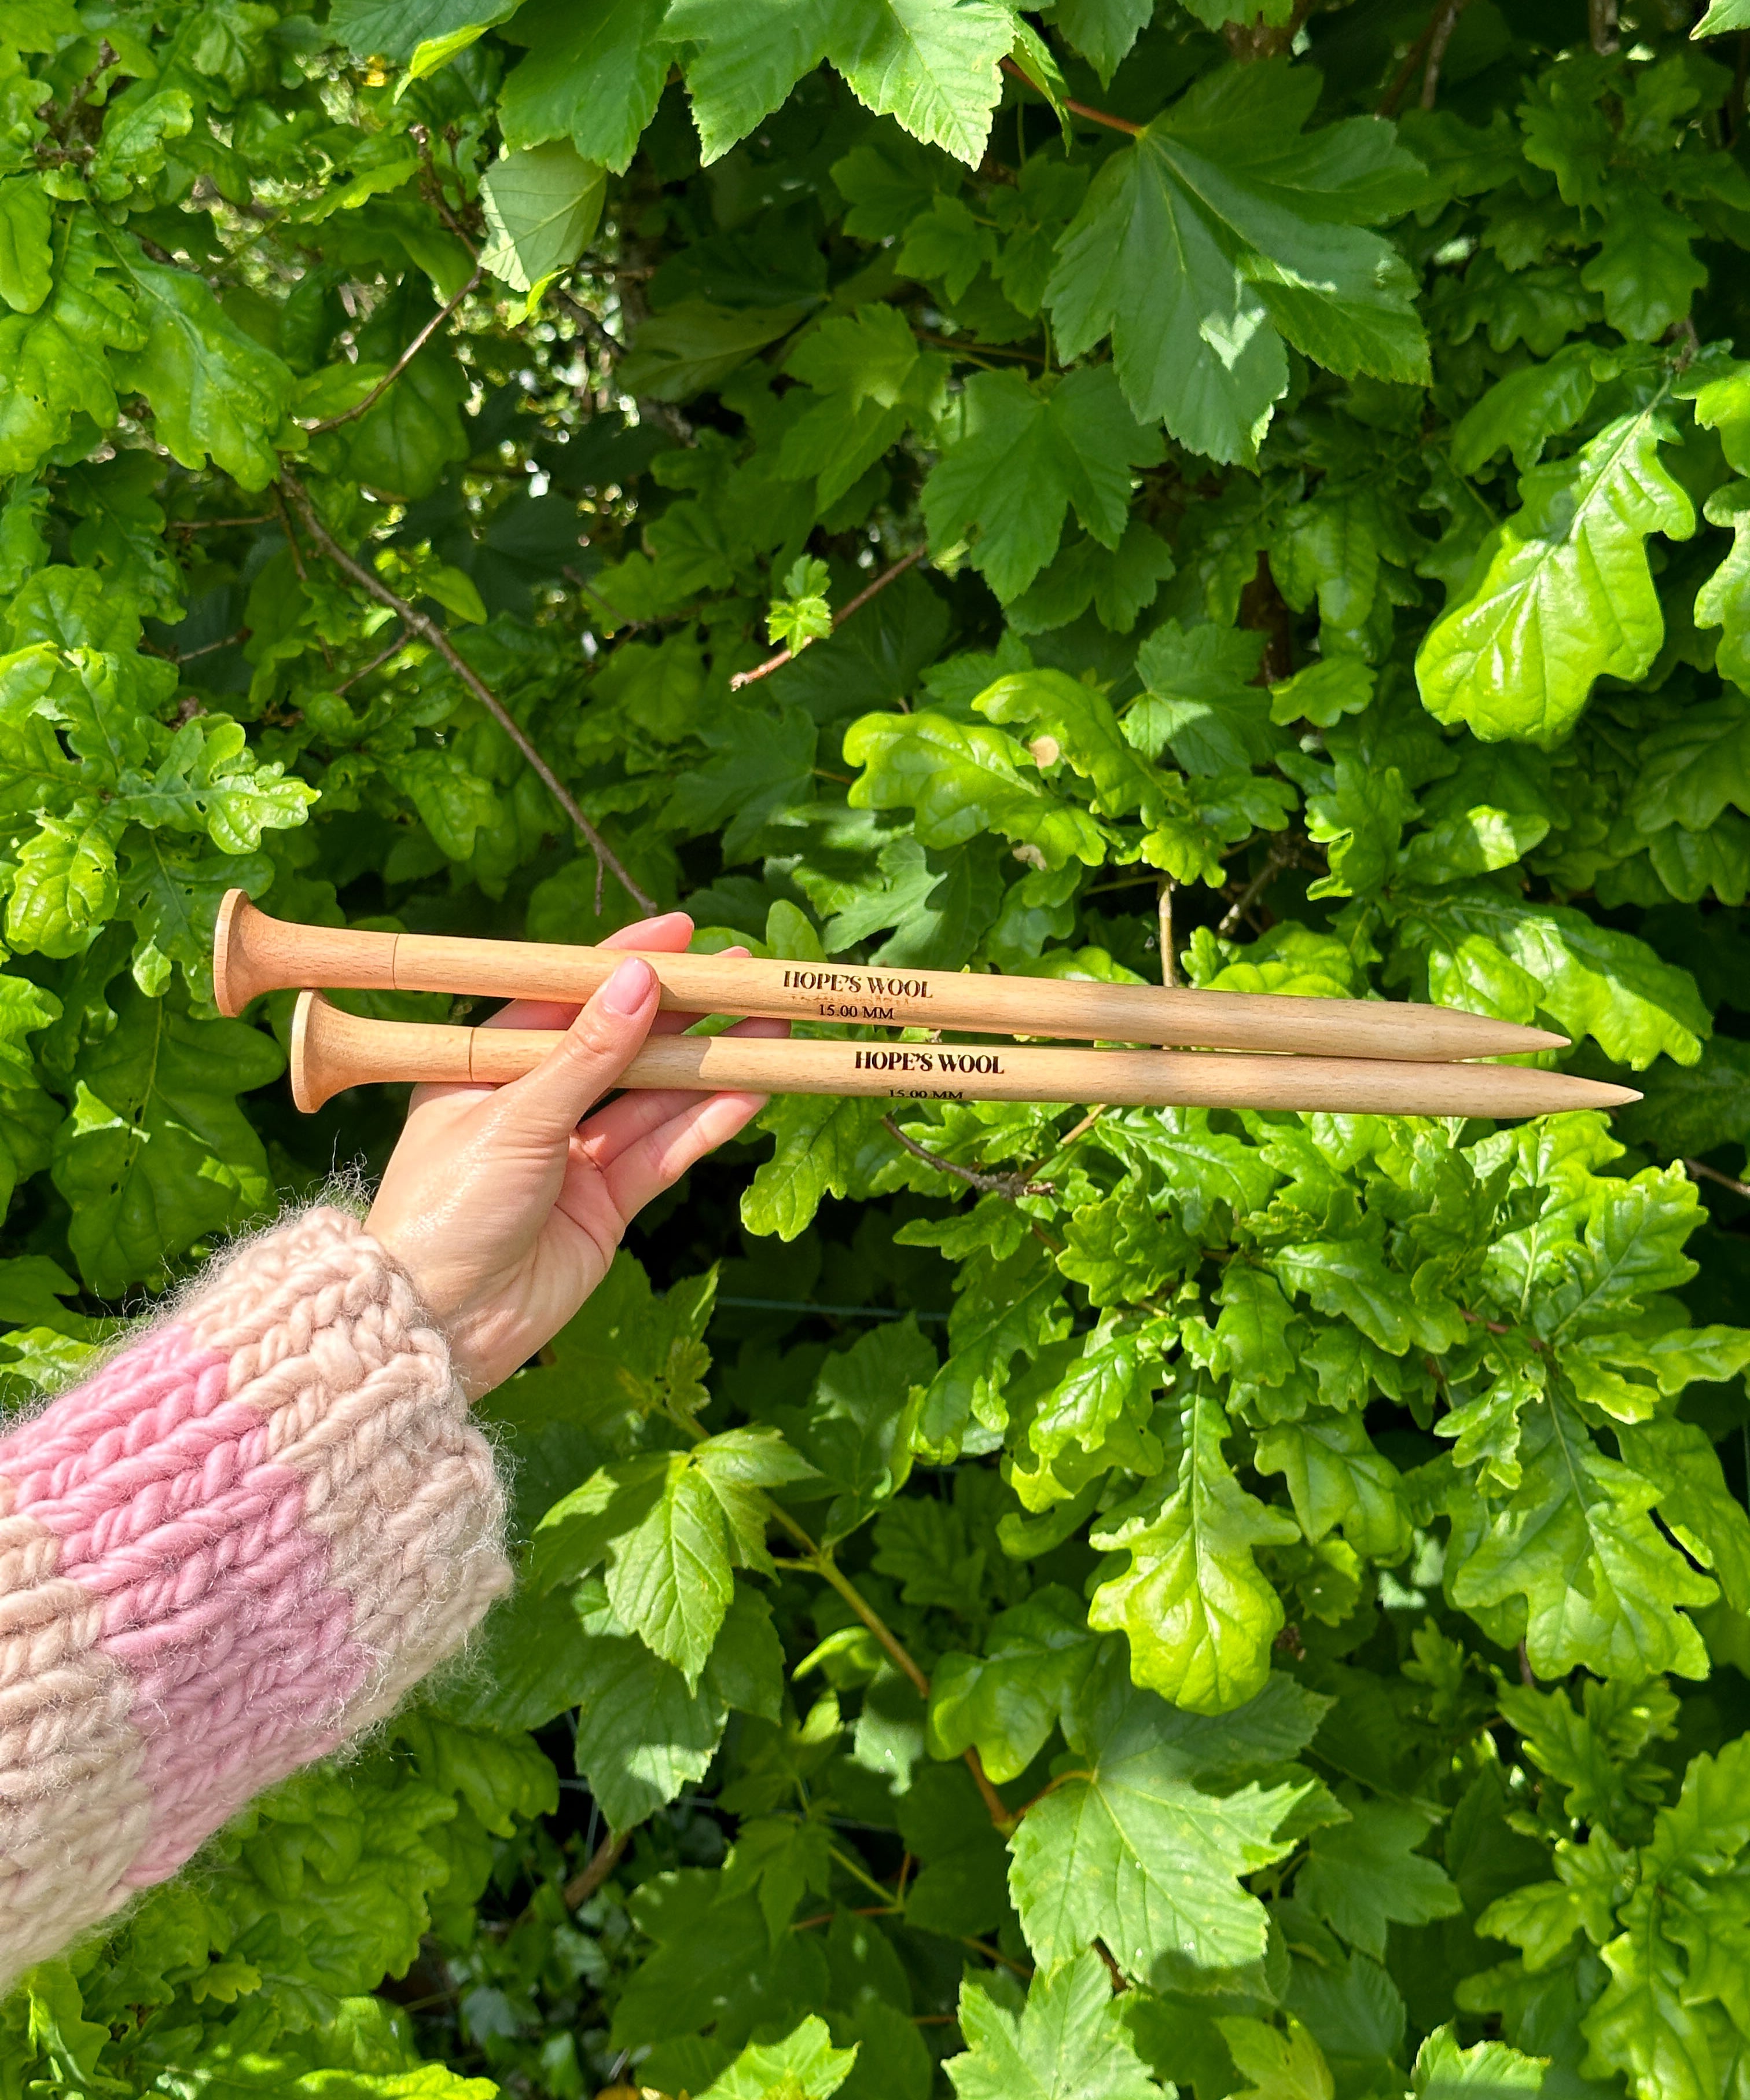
x=1027 y=1602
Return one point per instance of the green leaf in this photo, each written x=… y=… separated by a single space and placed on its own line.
x=1079 y=720
x=1561 y=594
x=762 y=765
x=214 y=390
x=825 y=1146
x=1494 y=954
x=962 y=778
x=1645 y=267
x=693 y=345
x=1201 y=700
x=857 y=1430
x=1282 y=2065
x=1133 y=1851
x=1258 y=226
x=1520 y=413
x=1025 y=455
x=931 y=66
x=1490 y=2070
x=593 y=73
x=1005 y=1702
x=26 y=264
x=1367 y=1874
x=156 y=1152
x=541 y=206
x=803 y=2066
x=1575 y=1543
x=1348 y=1280
x=872 y=381
x=1200 y=1613
x=1066 y=2043
x=642 y=1734
x=1102 y=31
x=1336 y=1476
x=394 y=29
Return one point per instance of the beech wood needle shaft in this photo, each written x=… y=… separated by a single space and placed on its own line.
x=253 y=953
x=332 y=1050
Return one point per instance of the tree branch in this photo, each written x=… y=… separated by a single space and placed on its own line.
x=602 y=1862
x=1014 y=1186
x=1444 y=23
x=777 y=662
x=1164 y=918
x=428 y=630
x=399 y=366
x=376 y=664
x=1704 y=1172
x=1279 y=857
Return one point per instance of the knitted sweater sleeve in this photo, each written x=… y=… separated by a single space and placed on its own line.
x=235 y=1546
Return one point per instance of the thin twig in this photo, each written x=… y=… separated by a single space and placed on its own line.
x=820 y=1562
x=207 y=648
x=1445 y=22
x=106 y=58
x=434 y=191
x=961 y=349
x=1164 y=915
x=1412 y=58
x=399 y=366
x=376 y=664
x=429 y=630
x=215 y=524
x=777 y=662
x=1081 y=109
x=594 y=327
x=1014 y=1186
x=602 y=1862
x=1713 y=1174
x=1277 y=858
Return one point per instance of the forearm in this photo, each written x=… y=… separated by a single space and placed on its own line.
x=235 y=1546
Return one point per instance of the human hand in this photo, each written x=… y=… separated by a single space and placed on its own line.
x=506 y=1207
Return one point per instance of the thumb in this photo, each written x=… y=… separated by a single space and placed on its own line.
x=549 y=1103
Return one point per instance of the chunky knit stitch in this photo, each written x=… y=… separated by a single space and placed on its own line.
x=234 y=1548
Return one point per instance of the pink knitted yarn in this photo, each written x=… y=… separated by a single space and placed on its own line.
x=234 y=1546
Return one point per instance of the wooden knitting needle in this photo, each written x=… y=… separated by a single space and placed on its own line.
x=253 y=953
x=332 y=1050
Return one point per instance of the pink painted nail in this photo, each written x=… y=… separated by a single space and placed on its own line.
x=629 y=987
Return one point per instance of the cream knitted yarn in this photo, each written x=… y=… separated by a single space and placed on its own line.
x=235 y=1546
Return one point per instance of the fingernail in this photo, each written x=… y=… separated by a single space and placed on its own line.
x=628 y=988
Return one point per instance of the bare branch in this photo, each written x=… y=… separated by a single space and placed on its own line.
x=1445 y=22
x=1706 y=1173
x=777 y=662
x=399 y=366
x=429 y=630
x=1164 y=915
x=602 y=1862
x=376 y=664
x=1014 y=1186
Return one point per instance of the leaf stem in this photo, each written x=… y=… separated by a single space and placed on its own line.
x=429 y=630
x=1081 y=110
x=858 y=1873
